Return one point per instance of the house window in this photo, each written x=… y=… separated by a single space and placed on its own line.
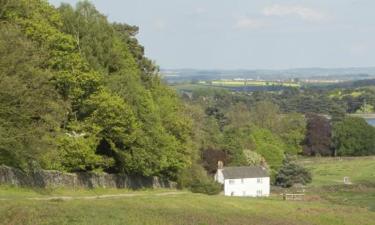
x=259 y=193
x=231 y=181
x=259 y=180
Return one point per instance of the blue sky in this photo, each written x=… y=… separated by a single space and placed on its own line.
x=250 y=34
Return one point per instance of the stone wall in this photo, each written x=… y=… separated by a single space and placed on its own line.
x=53 y=179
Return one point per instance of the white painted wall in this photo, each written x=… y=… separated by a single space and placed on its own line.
x=254 y=187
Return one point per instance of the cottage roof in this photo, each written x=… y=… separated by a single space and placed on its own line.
x=244 y=172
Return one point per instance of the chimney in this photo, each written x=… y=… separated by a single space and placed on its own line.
x=220 y=165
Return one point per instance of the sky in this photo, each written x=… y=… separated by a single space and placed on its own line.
x=249 y=34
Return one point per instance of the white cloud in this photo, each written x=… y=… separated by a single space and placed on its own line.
x=248 y=23
x=304 y=13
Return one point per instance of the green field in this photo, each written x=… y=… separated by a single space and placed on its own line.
x=327 y=201
x=328 y=176
x=230 y=83
x=233 y=83
x=331 y=171
x=184 y=208
x=192 y=87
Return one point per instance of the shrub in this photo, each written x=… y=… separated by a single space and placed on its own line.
x=208 y=187
x=195 y=178
x=291 y=173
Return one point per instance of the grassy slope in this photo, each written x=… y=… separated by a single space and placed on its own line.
x=179 y=209
x=331 y=171
x=334 y=203
x=328 y=175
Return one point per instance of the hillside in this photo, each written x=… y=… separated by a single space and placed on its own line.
x=327 y=202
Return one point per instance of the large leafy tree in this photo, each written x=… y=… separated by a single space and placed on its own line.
x=318 y=136
x=91 y=86
x=31 y=111
x=269 y=146
x=353 y=137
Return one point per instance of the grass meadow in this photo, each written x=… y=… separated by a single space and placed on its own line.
x=327 y=201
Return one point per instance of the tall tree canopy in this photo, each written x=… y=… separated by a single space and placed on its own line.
x=318 y=136
x=85 y=89
x=354 y=137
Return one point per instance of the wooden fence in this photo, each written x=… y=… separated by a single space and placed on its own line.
x=293 y=197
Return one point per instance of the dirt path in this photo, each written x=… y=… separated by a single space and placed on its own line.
x=115 y=196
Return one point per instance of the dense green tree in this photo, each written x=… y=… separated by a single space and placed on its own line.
x=292 y=130
x=254 y=159
x=318 y=139
x=353 y=137
x=92 y=88
x=269 y=146
x=31 y=110
x=239 y=116
x=291 y=173
x=77 y=153
x=234 y=142
x=265 y=115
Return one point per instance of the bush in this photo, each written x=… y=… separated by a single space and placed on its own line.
x=195 y=178
x=291 y=173
x=208 y=187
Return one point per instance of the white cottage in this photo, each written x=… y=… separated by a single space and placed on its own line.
x=244 y=181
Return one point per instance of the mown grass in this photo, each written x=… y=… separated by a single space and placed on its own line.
x=14 y=193
x=180 y=209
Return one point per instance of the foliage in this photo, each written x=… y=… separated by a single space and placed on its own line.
x=196 y=179
x=318 y=136
x=354 y=137
x=233 y=144
x=366 y=109
x=211 y=157
x=265 y=115
x=78 y=154
x=253 y=158
x=31 y=110
x=77 y=73
x=292 y=131
x=291 y=173
x=270 y=147
x=208 y=187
